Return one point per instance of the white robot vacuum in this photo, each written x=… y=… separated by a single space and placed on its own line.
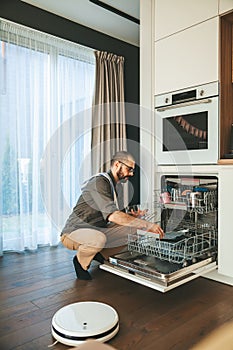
x=75 y=323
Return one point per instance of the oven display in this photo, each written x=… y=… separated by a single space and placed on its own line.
x=186 y=132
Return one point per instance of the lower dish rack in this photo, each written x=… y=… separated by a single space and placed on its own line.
x=182 y=251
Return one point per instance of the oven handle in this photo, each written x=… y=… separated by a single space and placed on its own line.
x=190 y=103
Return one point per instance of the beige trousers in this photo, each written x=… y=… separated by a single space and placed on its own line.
x=88 y=242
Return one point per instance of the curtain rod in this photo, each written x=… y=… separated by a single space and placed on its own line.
x=115 y=10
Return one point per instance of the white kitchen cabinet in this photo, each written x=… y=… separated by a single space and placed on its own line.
x=225 y=256
x=173 y=16
x=146 y=99
x=187 y=58
x=225 y=6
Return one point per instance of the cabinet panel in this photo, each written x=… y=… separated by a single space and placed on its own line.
x=172 y=16
x=225 y=221
x=225 y=6
x=187 y=58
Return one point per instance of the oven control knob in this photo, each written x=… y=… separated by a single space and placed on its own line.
x=166 y=100
x=202 y=92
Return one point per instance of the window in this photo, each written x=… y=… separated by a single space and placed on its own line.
x=46 y=91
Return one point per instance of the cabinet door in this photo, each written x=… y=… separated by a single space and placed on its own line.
x=172 y=16
x=225 y=237
x=187 y=58
x=225 y=6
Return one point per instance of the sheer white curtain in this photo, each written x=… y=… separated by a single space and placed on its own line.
x=46 y=92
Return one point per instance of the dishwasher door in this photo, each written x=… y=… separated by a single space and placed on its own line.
x=154 y=273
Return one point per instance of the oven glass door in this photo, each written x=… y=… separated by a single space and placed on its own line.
x=187 y=134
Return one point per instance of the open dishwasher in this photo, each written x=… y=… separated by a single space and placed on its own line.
x=187 y=208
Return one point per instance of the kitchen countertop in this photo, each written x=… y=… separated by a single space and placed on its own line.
x=225 y=161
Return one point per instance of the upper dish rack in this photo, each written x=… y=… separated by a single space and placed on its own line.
x=205 y=203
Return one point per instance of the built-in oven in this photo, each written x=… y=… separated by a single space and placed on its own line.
x=186 y=126
x=187 y=210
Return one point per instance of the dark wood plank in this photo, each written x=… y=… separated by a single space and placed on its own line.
x=226 y=84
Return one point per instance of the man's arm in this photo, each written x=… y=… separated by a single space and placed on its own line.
x=121 y=218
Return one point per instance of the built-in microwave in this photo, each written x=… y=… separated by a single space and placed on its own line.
x=186 y=126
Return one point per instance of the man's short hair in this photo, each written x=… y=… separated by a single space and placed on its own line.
x=123 y=156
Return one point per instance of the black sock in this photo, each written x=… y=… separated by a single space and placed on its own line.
x=99 y=257
x=80 y=272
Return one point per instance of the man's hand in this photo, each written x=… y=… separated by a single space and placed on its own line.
x=139 y=213
x=155 y=228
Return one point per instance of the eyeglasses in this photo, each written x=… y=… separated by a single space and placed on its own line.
x=130 y=169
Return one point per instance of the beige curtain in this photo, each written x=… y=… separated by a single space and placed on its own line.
x=108 y=117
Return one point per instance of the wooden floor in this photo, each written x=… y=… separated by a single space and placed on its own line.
x=35 y=285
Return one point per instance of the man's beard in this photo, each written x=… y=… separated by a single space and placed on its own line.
x=121 y=176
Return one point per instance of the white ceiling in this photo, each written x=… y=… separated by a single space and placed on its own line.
x=91 y=15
